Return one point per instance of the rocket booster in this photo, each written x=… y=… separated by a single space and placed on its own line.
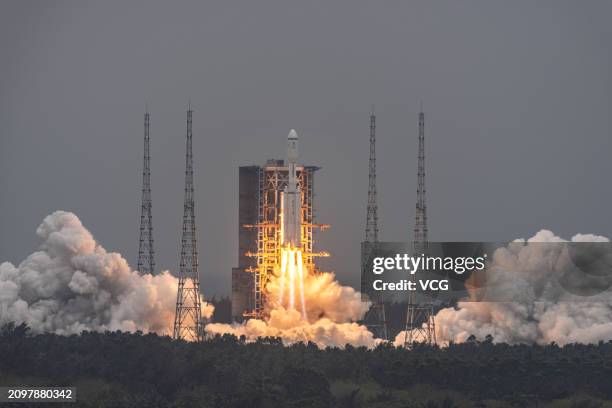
x=291 y=198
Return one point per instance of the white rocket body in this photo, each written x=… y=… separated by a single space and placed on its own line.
x=291 y=201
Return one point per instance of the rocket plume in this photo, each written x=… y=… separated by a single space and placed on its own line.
x=73 y=284
x=304 y=306
x=292 y=276
x=331 y=311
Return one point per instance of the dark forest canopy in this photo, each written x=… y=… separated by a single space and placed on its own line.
x=116 y=369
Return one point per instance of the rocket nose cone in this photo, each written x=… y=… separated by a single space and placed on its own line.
x=292 y=134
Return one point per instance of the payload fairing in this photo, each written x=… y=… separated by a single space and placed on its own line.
x=291 y=201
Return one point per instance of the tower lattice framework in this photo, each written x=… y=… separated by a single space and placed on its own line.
x=375 y=318
x=420 y=322
x=272 y=180
x=146 y=253
x=188 y=324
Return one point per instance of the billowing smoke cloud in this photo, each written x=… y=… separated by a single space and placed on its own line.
x=331 y=308
x=536 y=277
x=73 y=284
x=325 y=298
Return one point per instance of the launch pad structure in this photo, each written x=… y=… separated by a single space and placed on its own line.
x=146 y=252
x=420 y=316
x=188 y=321
x=375 y=318
x=260 y=238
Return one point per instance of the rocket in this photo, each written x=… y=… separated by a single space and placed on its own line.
x=291 y=200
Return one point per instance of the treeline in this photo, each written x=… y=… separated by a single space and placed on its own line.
x=116 y=369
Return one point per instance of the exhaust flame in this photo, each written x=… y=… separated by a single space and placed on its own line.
x=292 y=275
x=306 y=306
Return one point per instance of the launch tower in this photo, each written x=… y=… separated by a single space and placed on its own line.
x=146 y=254
x=188 y=324
x=263 y=192
x=375 y=318
x=420 y=323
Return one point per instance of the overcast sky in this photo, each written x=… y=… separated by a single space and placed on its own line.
x=517 y=95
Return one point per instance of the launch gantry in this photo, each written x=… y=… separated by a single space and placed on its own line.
x=273 y=179
x=188 y=322
x=420 y=321
x=146 y=253
x=375 y=318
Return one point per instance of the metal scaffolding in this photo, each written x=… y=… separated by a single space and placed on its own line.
x=188 y=324
x=146 y=253
x=272 y=180
x=375 y=318
x=420 y=321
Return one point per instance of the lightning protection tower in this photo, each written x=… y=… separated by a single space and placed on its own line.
x=420 y=322
x=146 y=254
x=375 y=318
x=188 y=323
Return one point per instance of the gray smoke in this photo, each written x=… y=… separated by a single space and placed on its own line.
x=73 y=284
x=550 y=299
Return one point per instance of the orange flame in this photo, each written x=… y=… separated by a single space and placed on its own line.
x=292 y=279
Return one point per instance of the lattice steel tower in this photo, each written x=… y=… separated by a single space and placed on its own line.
x=420 y=322
x=146 y=254
x=188 y=323
x=375 y=318
x=371 y=229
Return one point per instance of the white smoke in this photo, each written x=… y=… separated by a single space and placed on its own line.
x=73 y=284
x=331 y=309
x=542 y=311
x=289 y=325
x=324 y=298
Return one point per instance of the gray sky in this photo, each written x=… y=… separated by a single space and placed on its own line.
x=517 y=95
